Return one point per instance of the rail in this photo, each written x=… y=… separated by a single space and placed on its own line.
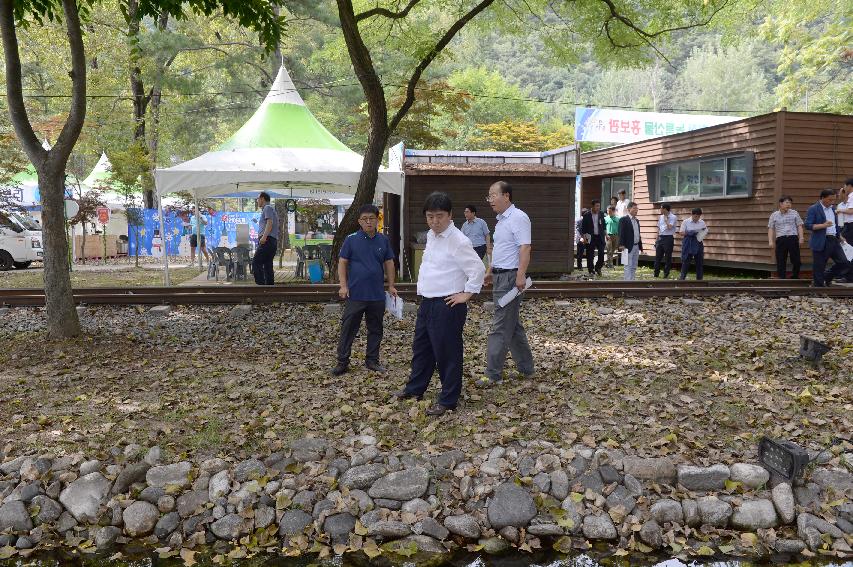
x=317 y=293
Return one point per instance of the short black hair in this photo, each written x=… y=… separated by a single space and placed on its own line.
x=667 y=206
x=622 y=192
x=438 y=201
x=827 y=192
x=265 y=196
x=613 y=199
x=472 y=208
x=611 y=208
x=368 y=209
x=849 y=181
x=696 y=211
x=505 y=188
x=784 y=198
x=632 y=204
x=595 y=202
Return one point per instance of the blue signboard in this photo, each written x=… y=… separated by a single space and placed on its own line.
x=221 y=230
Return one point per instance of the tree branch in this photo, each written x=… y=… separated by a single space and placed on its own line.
x=430 y=57
x=387 y=13
x=614 y=14
x=14 y=90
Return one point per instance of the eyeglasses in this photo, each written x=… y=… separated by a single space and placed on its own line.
x=367 y=219
x=491 y=197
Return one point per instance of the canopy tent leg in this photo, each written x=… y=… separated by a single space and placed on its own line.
x=402 y=238
x=166 y=280
x=198 y=228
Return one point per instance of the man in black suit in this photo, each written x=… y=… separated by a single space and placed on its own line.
x=593 y=231
x=631 y=240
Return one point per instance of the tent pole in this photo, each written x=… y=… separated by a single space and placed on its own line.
x=166 y=278
x=198 y=227
x=402 y=237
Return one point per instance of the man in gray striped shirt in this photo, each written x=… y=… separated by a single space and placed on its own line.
x=785 y=235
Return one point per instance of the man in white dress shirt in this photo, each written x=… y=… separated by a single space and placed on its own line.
x=450 y=273
x=510 y=258
x=622 y=204
x=845 y=211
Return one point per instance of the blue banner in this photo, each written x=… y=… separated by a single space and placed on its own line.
x=221 y=230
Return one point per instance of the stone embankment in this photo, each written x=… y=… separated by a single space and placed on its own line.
x=322 y=498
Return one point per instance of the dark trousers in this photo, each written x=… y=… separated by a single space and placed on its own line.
x=831 y=251
x=480 y=250
x=350 y=324
x=699 y=258
x=787 y=246
x=263 y=260
x=581 y=253
x=595 y=243
x=438 y=343
x=663 y=254
x=847 y=232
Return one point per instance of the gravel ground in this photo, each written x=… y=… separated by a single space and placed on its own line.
x=663 y=377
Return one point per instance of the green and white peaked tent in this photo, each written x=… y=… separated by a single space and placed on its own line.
x=282 y=146
x=100 y=174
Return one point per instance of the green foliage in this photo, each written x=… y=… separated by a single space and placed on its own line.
x=310 y=211
x=816 y=60
x=512 y=136
x=434 y=117
x=256 y=15
x=716 y=77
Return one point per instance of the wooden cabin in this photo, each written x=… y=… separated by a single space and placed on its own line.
x=735 y=172
x=543 y=186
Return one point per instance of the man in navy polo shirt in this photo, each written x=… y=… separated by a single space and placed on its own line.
x=366 y=259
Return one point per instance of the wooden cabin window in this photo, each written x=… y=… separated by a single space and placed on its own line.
x=705 y=178
x=610 y=187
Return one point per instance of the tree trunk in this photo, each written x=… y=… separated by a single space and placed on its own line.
x=82 y=241
x=137 y=89
x=154 y=99
x=376 y=142
x=62 y=318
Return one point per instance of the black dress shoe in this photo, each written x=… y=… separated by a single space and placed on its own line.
x=438 y=409
x=404 y=395
x=376 y=367
x=339 y=369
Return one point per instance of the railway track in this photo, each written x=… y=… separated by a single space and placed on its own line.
x=319 y=293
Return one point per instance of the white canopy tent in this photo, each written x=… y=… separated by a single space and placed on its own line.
x=281 y=147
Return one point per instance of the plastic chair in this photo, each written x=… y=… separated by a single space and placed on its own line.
x=312 y=251
x=326 y=255
x=222 y=259
x=240 y=261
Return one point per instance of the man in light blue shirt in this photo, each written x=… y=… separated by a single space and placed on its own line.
x=477 y=231
x=510 y=259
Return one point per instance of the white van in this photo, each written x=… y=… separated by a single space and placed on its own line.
x=20 y=240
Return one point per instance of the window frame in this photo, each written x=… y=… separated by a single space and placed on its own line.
x=653 y=172
x=605 y=202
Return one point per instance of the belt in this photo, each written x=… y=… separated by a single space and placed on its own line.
x=666 y=236
x=834 y=236
x=503 y=270
x=787 y=236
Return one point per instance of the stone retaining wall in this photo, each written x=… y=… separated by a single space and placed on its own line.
x=320 y=498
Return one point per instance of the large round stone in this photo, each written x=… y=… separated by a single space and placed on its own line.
x=140 y=518
x=511 y=505
x=401 y=485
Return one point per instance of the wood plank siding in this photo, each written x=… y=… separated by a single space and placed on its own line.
x=797 y=154
x=547 y=196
